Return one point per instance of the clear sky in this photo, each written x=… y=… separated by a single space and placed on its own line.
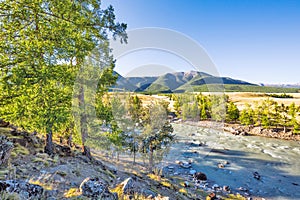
x=253 y=40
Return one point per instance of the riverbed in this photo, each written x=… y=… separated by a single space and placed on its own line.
x=232 y=160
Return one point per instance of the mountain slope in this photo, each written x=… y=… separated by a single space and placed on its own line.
x=190 y=81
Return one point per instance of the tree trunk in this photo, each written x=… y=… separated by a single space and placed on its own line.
x=49 y=144
x=87 y=152
x=134 y=154
x=151 y=159
x=83 y=124
x=70 y=140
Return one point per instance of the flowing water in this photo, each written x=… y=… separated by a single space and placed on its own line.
x=276 y=161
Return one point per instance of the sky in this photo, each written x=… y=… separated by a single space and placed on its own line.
x=252 y=40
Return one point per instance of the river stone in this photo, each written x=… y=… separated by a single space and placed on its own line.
x=192 y=172
x=200 y=176
x=23 y=188
x=94 y=187
x=256 y=130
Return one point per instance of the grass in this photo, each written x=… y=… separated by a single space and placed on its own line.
x=40 y=160
x=19 y=150
x=235 y=197
x=72 y=192
x=37 y=182
x=9 y=196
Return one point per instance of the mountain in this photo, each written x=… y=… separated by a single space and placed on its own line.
x=173 y=82
x=297 y=85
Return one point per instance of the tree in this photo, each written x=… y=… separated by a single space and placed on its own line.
x=135 y=108
x=232 y=113
x=247 y=115
x=218 y=107
x=43 y=44
x=293 y=112
x=157 y=132
x=284 y=118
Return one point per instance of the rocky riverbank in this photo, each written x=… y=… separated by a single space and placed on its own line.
x=238 y=129
x=26 y=172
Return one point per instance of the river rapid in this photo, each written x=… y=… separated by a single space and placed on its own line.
x=276 y=161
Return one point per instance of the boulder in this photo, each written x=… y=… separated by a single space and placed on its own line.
x=226 y=188
x=185 y=165
x=211 y=196
x=23 y=188
x=147 y=193
x=199 y=176
x=5 y=149
x=256 y=175
x=128 y=186
x=94 y=187
x=256 y=131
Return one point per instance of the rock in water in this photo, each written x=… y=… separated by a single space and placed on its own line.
x=94 y=187
x=200 y=176
x=226 y=188
x=256 y=175
x=5 y=149
x=211 y=196
x=23 y=188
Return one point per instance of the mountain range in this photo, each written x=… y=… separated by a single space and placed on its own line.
x=174 y=82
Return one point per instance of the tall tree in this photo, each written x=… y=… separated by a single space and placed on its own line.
x=43 y=44
x=157 y=132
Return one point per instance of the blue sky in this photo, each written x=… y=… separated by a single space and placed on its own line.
x=256 y=41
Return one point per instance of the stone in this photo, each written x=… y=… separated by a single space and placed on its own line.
x=5 y=149
x=243 y=189
x=94 y=187
x=226 y=162
x=185 y=165
x=256 y=175
x=149 y=193
x=220 y=165
x=211 y=196
x=256 y=131
x=24 y=189
x=215 y=187
x=200 y=176
x=192 y=172
x=226 y=188
x=186 y=184
x=128 y=186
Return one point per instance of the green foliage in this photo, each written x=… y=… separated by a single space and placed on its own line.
x=280 y=95
x=247 y=115
x=43 y=45
x=156 y=134
x=232 y=113
x=239 y=88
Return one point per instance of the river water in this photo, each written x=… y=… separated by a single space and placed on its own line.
x=276 y=161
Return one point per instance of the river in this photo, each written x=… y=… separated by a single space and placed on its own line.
x=276 y=161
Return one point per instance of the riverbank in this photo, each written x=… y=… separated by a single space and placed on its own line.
x=238 y=129
x=255 y=167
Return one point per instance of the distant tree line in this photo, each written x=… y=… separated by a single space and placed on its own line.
x=266 y=113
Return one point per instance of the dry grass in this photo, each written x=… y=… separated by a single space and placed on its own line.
x=242 y=98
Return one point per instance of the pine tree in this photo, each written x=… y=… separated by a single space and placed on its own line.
x=247 y=115
x=232 y=113
x=43 y=45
